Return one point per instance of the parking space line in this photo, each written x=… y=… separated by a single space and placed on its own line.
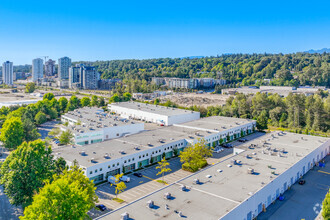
x=323 y=172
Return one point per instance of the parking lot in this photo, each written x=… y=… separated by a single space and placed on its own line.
x=141 y=186
x=302 y=201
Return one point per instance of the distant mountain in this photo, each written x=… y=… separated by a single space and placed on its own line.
x=327 y=50
x=193 y=57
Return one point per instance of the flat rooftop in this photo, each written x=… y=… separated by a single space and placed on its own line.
x=216 y=123
x=155 y=109
x=129 y=145
x=93 y=119
x=222 y=191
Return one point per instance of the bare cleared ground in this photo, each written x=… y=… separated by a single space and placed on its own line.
x=190 y=99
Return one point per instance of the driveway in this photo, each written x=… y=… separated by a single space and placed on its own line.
x=45 y=128
x=8 y=211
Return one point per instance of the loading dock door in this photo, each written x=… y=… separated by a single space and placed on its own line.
x=259 y=208
x=249 y=216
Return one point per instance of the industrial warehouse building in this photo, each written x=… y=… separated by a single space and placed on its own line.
x=153 y=113
x=240 y=187
x=91 y=125
x=130 y=152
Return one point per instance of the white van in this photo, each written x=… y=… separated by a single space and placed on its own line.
x=125 y=179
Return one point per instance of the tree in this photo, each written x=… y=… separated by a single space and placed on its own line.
x=66 y=137
x=70 y=196
x=52 y=113
x=62 y=102
x=163 y=166
x=326 y=206
x=262 y=121
x=25 y=170
x=156 y=102
x=127 y=96
x=12 y=133
x=40 y=118
x=85 y=101
x=101 y=102
x=30 y=130
x=48 y=96
x=194 y=156
x=73 y=104
x=60 y=165
x=55 y=132
x=30 y=87
x=114 y=98
x=95 y=101
x=120 y=186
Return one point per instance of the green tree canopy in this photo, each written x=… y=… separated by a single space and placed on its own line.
x=262 y=121
x=95 y=101
x=85 y=101
x=49 y=96
x=30 y=87
x=326 y=206
x=66 y=137
x=70 y=196
x=30 y=130
x=114 y=98
x=25 y=170
x=194 y=156
x=40 y=118
x=12 y=133
x=62 y=102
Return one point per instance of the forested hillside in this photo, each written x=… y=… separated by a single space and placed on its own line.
x=246 y=69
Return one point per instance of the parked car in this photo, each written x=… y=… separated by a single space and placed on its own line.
x=302 y=182
x=243 y=140
x=101 y=207
x=218 y=149
x=138 y=174
x=227 y=145
x=125 y=179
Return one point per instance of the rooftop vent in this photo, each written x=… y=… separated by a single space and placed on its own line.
x=124 y=216
x=83 y=153
x=167 y=196
x=93 y=160
x=183 y=188
x=196 y=181
x=150 y=204
x=250 y=170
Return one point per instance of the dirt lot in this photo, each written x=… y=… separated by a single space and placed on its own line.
x=190 y=99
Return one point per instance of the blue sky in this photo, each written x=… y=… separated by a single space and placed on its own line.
x=106 y=30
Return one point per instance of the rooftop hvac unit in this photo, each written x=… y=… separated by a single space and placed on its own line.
x=196 y=181
x=167 y=195
x=124 y=216
x=150 y=204
x=183 y=188
x=250 y=170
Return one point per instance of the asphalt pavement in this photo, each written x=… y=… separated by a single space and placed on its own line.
x=8 y=211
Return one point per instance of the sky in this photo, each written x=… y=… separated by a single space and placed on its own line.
x=109 y=30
